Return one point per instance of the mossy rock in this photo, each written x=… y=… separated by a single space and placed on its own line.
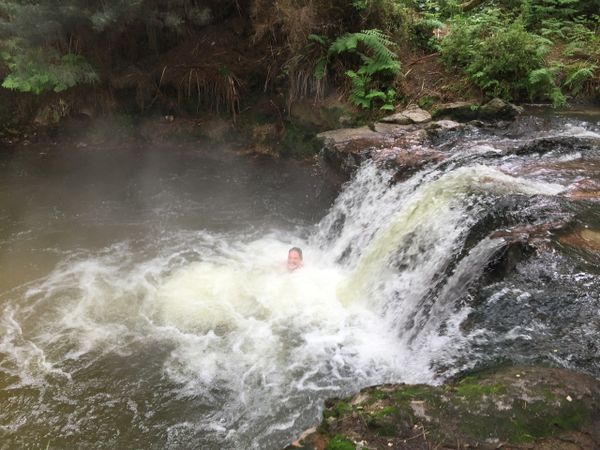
x=533 y=408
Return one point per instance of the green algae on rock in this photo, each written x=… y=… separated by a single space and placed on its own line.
x=519 y=408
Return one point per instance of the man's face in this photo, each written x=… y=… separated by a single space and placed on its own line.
x=294 y=260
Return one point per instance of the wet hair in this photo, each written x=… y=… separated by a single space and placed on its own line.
x=297 y=250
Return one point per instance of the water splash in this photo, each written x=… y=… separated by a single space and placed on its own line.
x=206 y=338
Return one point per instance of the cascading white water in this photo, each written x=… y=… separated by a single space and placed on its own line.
x=213 y=344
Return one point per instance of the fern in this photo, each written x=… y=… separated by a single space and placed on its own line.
x=541 y=83
x=578 y=76
x=318 y=39
x=38 y=70
x=376 y=43
x=378 y=62
x=358 y=94
x=320 y=68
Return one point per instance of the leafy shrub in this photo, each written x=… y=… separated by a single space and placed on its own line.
x=387 y=15
x=499 y=56
x=422 y=33
x=39 y=70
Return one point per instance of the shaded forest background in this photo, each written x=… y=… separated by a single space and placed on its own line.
x=261 y=61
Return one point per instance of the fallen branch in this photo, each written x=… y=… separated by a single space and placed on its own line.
x=422 y=58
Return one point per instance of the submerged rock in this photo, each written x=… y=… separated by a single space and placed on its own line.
x=517 y=408
x=584 y=239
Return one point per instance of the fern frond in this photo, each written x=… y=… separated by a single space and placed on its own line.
x=318 y=39
x=579 y=76
x=376 y=55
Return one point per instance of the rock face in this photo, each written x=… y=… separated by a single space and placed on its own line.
x=405 y=139
x=404 y=147
x=512 y=408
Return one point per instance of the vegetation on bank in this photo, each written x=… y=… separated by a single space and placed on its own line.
x=227 y=56
x=531 y=407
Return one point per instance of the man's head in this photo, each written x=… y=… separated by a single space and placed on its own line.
x=294 y=260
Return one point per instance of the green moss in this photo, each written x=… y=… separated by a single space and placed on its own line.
x=339 y=442
x=337 y=409
x=377 y=395
x=418 y=392
x=387 y=411
x=524 y=422
x=470 y=390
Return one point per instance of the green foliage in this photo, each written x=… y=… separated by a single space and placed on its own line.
x=339 y=442
x=387 y=15
x=423 y=30
x=376 y=58
x=39 y=70
x=579 y=75
x=541 y=84
x=535 y=12
x=443 y=9
x=371 y=82
x=500 y=56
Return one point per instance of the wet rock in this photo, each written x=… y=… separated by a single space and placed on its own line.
x=583 y=239
x=567 y=144
x=444 y=132
x=444 y=124
x=406 y=160
x=497 y=109
x=533 y=408
x=401 y=147
x=586 y=189
x=347 y=148
x=461 y=111
x=521 y=242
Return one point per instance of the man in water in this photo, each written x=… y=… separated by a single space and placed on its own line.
x=294 y=260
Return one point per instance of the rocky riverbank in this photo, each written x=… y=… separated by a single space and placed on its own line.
x=510 y=408
x=507 y=407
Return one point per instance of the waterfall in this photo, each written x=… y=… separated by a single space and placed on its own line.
x=201 y=337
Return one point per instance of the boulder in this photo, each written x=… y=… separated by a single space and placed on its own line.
x=444 y=124
x=514 y=407
x=398 y=118
x=417 y=115
x=346 y=148
x=401 y=147
x=461 y=111
x=413 y=114
x=497 y=109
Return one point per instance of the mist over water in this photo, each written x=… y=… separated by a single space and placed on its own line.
x=146 y=302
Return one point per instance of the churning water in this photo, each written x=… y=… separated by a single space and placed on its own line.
x=146 y=304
